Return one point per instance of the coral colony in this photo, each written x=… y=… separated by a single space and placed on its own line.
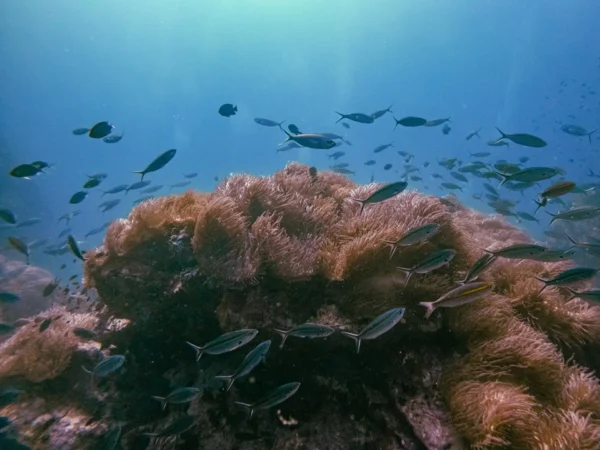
x=498 y=362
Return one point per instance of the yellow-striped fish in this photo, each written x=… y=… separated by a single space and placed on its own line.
x=457 y=297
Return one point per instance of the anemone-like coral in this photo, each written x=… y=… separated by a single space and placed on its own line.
x=515 y=369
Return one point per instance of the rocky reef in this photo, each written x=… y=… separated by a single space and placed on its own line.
x=514 y=370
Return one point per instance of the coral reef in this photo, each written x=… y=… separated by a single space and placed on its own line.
x=512 y=370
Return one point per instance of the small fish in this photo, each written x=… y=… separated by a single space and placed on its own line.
x=382 y=147
x=159 y=162
x=225 y=343
x=275 y=397
x=527 y=140
x=78 y=197
x=499 y=143
x=178 y=396
x=179 y=426
x=410 y=121
x=558 y=189
x=8 y=216
x=294 y=129
x=345 y=125
x=480 y=154
x=143 y=199
x=80 y=131
x=343 y=171
x=432 y=262
x=526 y=216
x=383 y=193
x=29 y=222
x=518 y=251
x=99 y=176
x=592 y=295
x=473 y=134
x=112 y=438
x=152 y=189
x=306 y=331
x=92 y=183
x=580 y=244
x=107 y=366
x=50 y=287
x=37 y=243
x=8 y=297
x=446 y=129
x=452 y=186
x=491 y=189
x=478 y=267
x=413 y=236
x=529 y=175
x=388 y=166
x=336 y=155
x=228 y=110
x=436 y=122
x=554 y=255
x=109 y=204
x=459 y=176
x=314 y=141
x=74 y=247
x=378 y=326
x=45 y=324
x=6 y=328
x=370 y=162
x=569 y=276
x=190 y=175
x=377 y=114
x=116 y=189
x=19 y=246
x=458 y=297
x=24 y=171
x=137 y=185
x=100 y=130
x=252 y=359
x=576 y=214
x=356 y=117
x=180 y=184
x=114 y=138
x=339 y=166
x=268 y=122
x=576 y=130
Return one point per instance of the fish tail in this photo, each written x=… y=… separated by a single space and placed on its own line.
x=342 y=117
x=86 y=370
x=162 y=400
x=355 y=337
x=283 y=334
x=197 y=349
x=362 y=204
x=504 y=178
x=539 y=205
x=228 y=378
x=393 y=248
x=246 y=405
x=589 y=135
x=553 y=217
x=408 y=273
x=574 y=293
x=543 y=281
x=141 y=172
x=429 y=308
x=396 y=122
x=501 y=132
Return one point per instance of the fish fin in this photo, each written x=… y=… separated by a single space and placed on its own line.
x=198 y=350
x=281 y=123
x=284 y=336
x=229 y=378
x=141 y=172
x=553 y=217
x=543 y=281
x=396 y=126
x=342 y=117
x=390 y=108
x=246 y=405
x=162 y=400
x=408 y=273
x=504 y=178
x=589 y=135
x=429 y=308
x=501 y=132
x=393 y=248
x=355 y=337
x=362 y=204
x=573 y=292
x=539 y=205
x=86 y=370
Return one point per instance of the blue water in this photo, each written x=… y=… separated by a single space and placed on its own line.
x=160 y=70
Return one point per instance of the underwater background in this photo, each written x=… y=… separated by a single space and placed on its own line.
x=159 y=71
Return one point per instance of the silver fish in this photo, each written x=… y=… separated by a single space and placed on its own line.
x=478 y=267
x=456 y=297
x=529 y=175
x=575 y=214
x=592 y=295
x=413 y=236
x=384 y=193
x=315 y=141
x=554 y=255
x=306 y=331
x=528 y=140
x=177 y=427
x=107 y=366
x=432 y=262
x=112 y=438
x=382 y=147
x=569 y=276
x=178 y=396
x=225 y=343
x=519 y=251
x=381 y=324
x=275 y=397
x=257 y=355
